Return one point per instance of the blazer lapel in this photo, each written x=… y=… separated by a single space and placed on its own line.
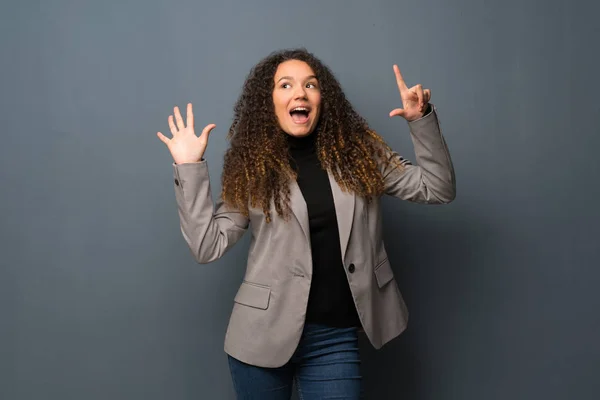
x=344 y=211
x=299 y=208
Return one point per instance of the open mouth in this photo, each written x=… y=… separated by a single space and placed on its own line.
x=300 y=114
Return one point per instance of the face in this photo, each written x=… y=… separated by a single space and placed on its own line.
x=297 y=98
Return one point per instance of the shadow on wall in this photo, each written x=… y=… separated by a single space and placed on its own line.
x=437 y=254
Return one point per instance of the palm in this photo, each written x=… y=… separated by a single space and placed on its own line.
x=185 y=146
x=413 y=99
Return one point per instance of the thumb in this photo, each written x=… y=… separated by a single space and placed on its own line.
x=162 y=138
x=398 y=112
x=206 y=131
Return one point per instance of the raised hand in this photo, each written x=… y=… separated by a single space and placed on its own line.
x=414 y=99
x=185 y=146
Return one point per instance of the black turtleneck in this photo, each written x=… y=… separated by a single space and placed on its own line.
x=330 y=300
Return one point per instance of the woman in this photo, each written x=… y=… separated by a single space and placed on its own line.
x=305 y=173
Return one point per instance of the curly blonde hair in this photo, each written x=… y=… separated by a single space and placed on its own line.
x=257 y=169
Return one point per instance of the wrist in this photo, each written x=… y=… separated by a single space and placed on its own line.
x=195 y=161
x=426 y=110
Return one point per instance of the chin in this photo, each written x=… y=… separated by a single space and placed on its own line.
x=300 y=131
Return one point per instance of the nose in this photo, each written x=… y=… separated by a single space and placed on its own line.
x=299 y=92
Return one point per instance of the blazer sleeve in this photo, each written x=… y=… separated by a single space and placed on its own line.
x=209 y=230
x=432 y=180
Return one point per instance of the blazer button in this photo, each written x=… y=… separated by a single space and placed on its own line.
x=177 y=182
x=351 y=268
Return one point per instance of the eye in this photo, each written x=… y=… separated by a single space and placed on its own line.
x=311 y=85
x=285 y=85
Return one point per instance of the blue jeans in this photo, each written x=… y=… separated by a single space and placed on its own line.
x=326 y=365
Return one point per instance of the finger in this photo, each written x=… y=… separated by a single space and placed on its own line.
x=398 y=112
x=206 y=132
x=162 y=138
x=178 y=118
x=174 y=130
x=190 y=115
x=419 y=90
x=400 y=79
x=426 y=96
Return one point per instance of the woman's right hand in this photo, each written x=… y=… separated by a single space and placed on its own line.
x=185 y=146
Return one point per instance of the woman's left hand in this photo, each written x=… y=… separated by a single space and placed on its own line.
x=414 y=99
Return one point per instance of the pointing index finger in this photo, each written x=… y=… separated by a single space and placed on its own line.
x=399 y=79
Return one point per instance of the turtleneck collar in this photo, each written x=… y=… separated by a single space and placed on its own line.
x=303 y=143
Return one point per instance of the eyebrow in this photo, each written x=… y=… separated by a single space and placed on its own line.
x=290 y=78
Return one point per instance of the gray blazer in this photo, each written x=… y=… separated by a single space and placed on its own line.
x=270 y=306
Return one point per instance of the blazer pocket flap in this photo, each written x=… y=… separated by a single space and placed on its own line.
x=383 y=273
x=253 y=295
